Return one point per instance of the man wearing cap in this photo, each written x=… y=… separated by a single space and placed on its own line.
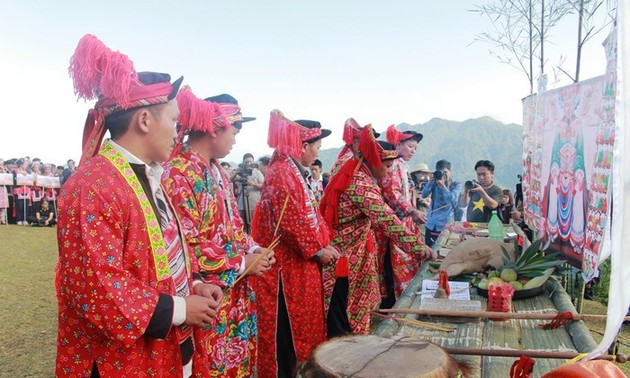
x=398 y=267
x=352 y=206
x=420 y=175
x=444 y=194
x=290 y=298
x=124 y=281
x=205 y=202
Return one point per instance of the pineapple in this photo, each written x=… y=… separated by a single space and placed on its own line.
x=531 y=263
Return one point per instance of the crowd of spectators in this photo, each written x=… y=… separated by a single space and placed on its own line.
x=29 y=190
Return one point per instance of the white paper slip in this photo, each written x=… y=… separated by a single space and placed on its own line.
x=459 y=290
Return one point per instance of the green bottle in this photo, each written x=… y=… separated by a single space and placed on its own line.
x=495 y=227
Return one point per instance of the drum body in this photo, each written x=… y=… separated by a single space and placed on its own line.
x=371 y=356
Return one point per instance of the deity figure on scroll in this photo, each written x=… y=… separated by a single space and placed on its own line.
x=565 y=195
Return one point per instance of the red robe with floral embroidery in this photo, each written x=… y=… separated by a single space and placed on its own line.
x=106 y=281
x=203 y=197
x=397 y=193
x=361 y=209
x=302 y=234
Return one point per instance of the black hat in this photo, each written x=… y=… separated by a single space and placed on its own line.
x=313 y=125
x=228 y=99
x=149 y=78
x=414 y=135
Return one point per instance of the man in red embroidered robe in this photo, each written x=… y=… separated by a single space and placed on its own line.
x=203 y=197
x=290 y=298
x=353 y=205
x=396 y=266
x=127 y=301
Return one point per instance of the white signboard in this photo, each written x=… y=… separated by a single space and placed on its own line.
x=6 y=179
x=21 y=179
x=47 y=181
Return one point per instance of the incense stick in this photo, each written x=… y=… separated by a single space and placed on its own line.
x=418 y=323
x=273 y=244
x=284 y=206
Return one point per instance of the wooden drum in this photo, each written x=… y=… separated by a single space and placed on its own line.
x=372 y=356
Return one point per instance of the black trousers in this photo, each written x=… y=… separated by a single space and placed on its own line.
x=337 y=318
x=285 y=350
x=430 y=236
x=388 y=276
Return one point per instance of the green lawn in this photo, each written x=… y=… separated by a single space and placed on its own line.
x=28 y=316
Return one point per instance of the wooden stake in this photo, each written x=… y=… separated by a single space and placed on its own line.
x=490 y=314
x=621 y=358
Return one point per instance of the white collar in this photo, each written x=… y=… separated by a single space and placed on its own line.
x=154 y=170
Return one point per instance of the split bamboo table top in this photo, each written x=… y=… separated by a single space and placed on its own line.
x=489 y=334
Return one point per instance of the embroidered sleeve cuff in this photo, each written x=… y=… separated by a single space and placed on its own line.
x=162 y=317
x=179 y=310
x=253 y=249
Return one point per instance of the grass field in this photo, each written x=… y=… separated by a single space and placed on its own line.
x=28 y=313
x=28 y=316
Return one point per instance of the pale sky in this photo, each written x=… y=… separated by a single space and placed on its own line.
x=379 y=62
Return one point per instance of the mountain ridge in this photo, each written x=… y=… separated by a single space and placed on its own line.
x=463 y=144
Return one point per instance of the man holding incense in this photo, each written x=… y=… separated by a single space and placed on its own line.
x=290 y=298
x=203 y=197
x=352 y=206
x=124 y=279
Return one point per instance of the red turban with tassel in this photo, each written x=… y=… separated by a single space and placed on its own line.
x=352 y=130
x=372 y=153
x=109 y=76
x=287 y=136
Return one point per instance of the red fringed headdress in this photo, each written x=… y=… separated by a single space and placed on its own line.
x=368 y=147
x=197 y=114
x=371 y=152
x=109 y=76
x=287 y=136
x=351 y=130
x=395 y=137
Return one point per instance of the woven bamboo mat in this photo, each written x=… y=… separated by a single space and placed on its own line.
x=510 y=334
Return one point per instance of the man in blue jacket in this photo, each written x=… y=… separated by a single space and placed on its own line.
x=444 y=200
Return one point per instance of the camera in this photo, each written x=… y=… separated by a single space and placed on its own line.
x=470 y=184
x=420 y=182
x=438 y=175
x=243 y=172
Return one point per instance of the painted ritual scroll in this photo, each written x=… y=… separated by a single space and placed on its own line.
x=567 y=155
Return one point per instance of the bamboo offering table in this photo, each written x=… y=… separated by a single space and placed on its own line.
x=484 y=334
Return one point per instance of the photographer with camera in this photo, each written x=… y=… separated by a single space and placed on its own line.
x=481 y=196
x=444 y=200
x=248 y=180
x=420 y=175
